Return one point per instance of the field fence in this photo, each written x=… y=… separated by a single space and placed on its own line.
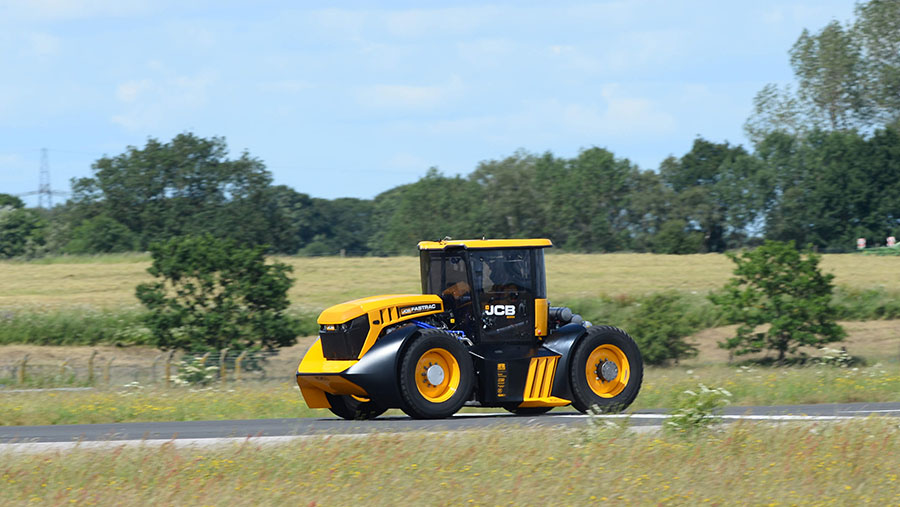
x=164 y=369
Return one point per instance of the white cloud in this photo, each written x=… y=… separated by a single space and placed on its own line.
x=485 y=52
x=42 y=44
x=410 y=97
x=285 y=86
x=131 y=90
x=407 y=161
x=416 y=23
x=149 y=102
x=74 y=9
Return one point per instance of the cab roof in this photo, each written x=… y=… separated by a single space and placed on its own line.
x=485 y=243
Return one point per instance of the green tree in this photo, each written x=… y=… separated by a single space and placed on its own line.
x=342 y=224
x=878 y=31
x=718 y=192
x=187 y=186
x=660 y=328
x=829 y=188
x=847 y=77
x=101 y=234
x=511 y=196
x=586 y=199
x=779 y=286
x=11 y=201
x=429 y=209
x=210 y=294
x=829 y=69
x=22 y=231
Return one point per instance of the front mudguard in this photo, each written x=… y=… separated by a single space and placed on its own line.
x=563 y=342
x=376 y=372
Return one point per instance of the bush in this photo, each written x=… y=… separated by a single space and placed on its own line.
x=193 y=372
x=660 y=327
x=211 y=294
x=778 y=285
x=695 y=411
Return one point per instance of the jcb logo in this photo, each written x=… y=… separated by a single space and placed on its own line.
x=499 y=309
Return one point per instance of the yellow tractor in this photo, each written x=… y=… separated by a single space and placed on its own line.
x=481 y=334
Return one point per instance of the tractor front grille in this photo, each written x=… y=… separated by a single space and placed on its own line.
x=344 y=341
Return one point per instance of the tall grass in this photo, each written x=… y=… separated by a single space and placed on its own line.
x=850 y=463
x=70 y=326
x=91 y=326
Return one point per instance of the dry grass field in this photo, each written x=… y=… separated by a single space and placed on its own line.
x=323 y=281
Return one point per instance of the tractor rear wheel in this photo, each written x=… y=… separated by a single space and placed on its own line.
x=436 y=376
x=354 y=407
x=606 y=370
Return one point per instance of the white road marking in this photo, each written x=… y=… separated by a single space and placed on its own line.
x=730 y=417
x=885 y=411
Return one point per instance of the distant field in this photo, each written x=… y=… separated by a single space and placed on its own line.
x=108 y=282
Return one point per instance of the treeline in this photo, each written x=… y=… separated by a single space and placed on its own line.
x=821 y=188
x=824 y=170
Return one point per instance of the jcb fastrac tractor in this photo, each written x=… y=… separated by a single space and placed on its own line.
x=482 y=334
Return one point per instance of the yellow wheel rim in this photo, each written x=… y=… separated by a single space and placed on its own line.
x=437 y=375
x=607 y=388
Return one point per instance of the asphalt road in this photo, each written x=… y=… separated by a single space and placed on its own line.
x=333 y=426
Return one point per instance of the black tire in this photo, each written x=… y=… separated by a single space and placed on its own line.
x=449 y=395
x=615 y=394
x=528 y=410
x=350 y=408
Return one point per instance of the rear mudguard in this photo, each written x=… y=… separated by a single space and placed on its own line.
x=563 y=341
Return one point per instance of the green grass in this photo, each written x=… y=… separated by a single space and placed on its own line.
x=849 y=463
x=749 y=386
x=73 y=326
x=117 y=258
x=132 y=404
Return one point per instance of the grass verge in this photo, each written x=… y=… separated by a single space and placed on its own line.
x=749 y=386
x=843 y=464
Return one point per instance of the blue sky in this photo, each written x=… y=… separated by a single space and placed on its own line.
x=348 y=99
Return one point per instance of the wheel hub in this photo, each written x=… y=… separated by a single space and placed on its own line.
x=434 y=374
x=607 y=371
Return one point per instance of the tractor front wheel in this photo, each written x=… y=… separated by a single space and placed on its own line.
x=354 y=407
x=436 y=376
x=606 y=370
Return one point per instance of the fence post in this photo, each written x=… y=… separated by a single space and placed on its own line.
x=237 y=365
x=203 y=359
x=106 y=369
x=222 y=370
x=169 y=368
x=91 y=367
x=22 y=366
x=153 y=368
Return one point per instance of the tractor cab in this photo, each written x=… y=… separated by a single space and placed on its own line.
x=495 y=291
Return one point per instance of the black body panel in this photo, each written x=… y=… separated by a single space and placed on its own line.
x=344 y=341
x=562 y=342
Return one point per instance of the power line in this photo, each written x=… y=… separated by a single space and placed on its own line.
x=44 y=191
x=44 y=184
